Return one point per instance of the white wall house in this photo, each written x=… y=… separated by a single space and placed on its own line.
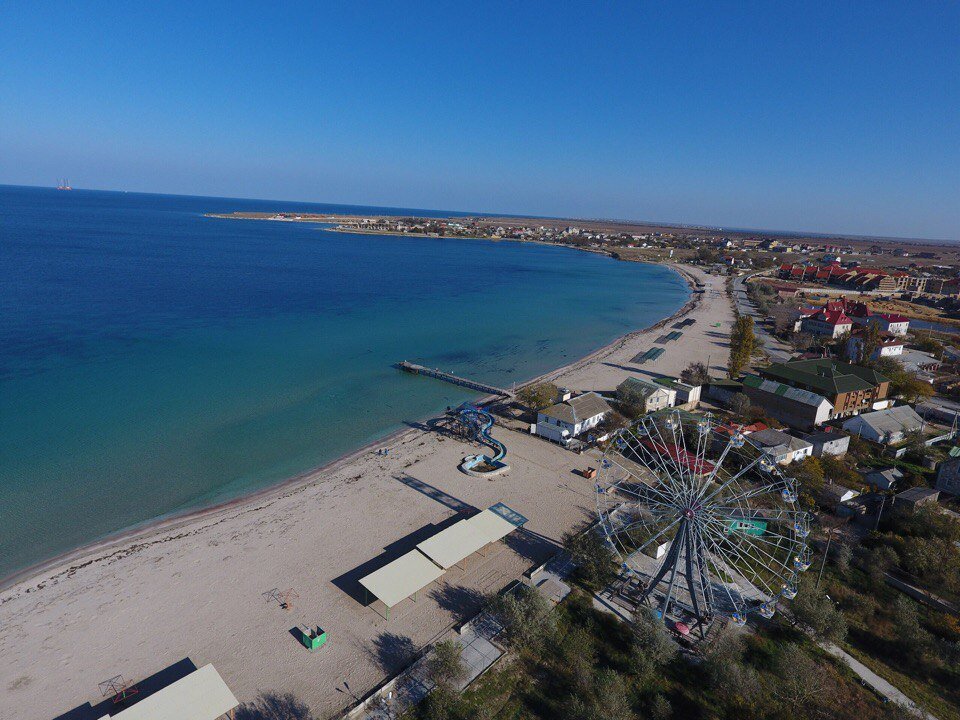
x=829 y=323
x=893 y=324
x=887 y=427
x=888 y=347
x=568 y=419
x=779 y=446
x=653 y=395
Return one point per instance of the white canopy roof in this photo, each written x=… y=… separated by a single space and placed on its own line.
x=491 y=525
x=201 y=695
x=401 y=578
x=450 y=546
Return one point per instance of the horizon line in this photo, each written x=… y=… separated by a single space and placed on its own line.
x=462 y=213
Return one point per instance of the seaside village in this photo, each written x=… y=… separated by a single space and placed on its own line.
x=780 y=458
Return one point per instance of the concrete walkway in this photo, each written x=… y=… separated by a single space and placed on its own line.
x=876 y=682
x=778 y=350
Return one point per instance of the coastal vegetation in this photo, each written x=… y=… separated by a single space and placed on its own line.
x=589 y=665
x=742 y=345
x=538 y=396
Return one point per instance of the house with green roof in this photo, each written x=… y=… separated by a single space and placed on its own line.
x=850 y=389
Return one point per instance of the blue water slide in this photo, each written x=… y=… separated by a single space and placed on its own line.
x=483 y=421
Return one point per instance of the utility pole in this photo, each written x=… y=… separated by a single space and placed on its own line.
x=825 y=553
x=883 y=501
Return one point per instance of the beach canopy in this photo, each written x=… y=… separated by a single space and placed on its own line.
x=491 y=525
x=201 y=695
x=450 y=546
x=401 y=578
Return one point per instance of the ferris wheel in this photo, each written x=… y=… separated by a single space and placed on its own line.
x=704 y=523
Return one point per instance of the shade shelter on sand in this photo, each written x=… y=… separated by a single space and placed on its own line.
x=412 y=572
x=402 y=578
x=201 y=695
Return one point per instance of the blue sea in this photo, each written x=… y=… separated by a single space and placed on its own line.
x=153 y=360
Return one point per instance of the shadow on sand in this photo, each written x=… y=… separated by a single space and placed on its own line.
x=146 y=688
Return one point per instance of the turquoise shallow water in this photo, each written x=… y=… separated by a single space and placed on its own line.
x=153 y=360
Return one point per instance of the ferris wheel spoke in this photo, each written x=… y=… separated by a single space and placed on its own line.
x=711 y=558
x=655 y=537
x=642 y=452
x=762 y=556
x=727 y=483
x=744 y=566
x=667 y=499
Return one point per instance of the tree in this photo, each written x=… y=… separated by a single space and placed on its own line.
x=441 y=704
x=799 y=679
x=923 y=340
x=660 y=708
x=840 y=472
x=445 y=664
x=696 y=373
x=740 y=405
x=878 y=561
x=526 y=616
x=842 y=556
x=742 y=345
x=870 y=342
x=903 y=383
x=592 y=557
x=810 y=474
x=632 y=399
x=912 y=639
x=539 y=396
x=817 y=612
x=651 y=647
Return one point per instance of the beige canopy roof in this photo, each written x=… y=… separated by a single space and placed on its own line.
x=401 y=578
x=450 y=546
x=201 y=695
x=491 y=525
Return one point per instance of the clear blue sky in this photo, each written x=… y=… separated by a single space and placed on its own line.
x=825 y=116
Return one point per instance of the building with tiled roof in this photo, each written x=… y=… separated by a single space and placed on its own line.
x=850 y=389
x=827 y=322
x=792 y=406
x=566 y=420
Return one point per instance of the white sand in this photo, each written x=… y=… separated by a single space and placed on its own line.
x=193 y=588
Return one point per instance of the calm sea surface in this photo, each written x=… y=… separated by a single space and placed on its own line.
x=153 y=360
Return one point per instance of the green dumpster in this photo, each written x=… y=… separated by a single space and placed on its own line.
x=312 y=639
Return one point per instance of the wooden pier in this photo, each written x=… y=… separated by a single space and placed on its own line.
x=455 y=379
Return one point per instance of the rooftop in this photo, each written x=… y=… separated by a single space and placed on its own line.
x=892 y=420
x=825 y=375
x=578 y=409
x=917 y=493
x=774 y=440
x=777 y=388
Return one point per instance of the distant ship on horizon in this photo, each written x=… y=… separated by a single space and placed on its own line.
x=63 y=185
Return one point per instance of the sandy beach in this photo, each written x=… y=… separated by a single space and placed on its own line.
x=192 y=587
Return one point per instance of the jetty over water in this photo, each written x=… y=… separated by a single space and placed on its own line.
x=455 y=379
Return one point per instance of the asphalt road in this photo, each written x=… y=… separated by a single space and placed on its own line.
x=777 y=350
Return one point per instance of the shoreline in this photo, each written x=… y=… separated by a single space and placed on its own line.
x=80 y=557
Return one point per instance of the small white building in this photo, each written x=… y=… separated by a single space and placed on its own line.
x=890 y=345
x=653 y=396
x=570 y=418
x=779 y=446
x=886 y=427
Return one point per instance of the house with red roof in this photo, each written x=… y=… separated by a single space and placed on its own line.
x=891 y=323
x=827 y=322
x=889 y=345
